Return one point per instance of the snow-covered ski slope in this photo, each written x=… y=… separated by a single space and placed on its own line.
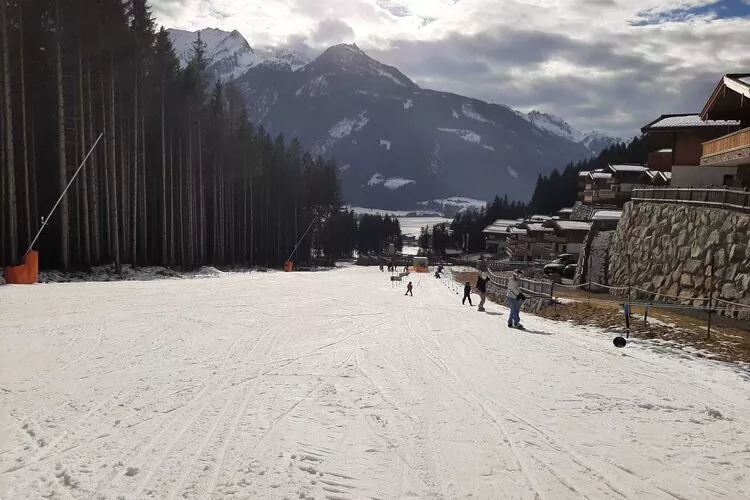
x=335 y=385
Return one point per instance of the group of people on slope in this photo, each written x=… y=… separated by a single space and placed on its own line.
x=514 y=296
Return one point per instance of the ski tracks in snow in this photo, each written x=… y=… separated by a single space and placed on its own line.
x=345 y=389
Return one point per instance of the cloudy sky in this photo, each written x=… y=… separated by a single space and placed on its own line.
x=610 y=65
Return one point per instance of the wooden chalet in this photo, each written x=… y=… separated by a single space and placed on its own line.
x=729 y=154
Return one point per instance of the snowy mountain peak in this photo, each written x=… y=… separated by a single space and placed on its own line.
x=594 y=141
x=229 y=55
x=350 y=59
x=554 y=125
x=598 y=141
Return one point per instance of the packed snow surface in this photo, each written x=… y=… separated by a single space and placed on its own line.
x=336 y=385
x=456 y=201
x=412 y=226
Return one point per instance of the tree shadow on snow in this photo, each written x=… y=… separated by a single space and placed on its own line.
x=494 y=314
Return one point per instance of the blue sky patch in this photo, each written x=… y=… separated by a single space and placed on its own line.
x=720 y=9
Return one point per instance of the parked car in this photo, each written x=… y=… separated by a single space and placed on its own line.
x=569 y=271
x=558 y=265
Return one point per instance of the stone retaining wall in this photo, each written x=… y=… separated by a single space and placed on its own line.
x=671 y=248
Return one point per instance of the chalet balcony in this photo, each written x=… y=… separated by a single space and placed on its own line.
x=728 y=151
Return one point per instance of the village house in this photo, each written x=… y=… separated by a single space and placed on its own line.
x=528 y=243
x=679 y=141
x=567 y=236
x=728 y=156
x=497 y=235
x=612 y=187
x=597 y=188
x=624 y=179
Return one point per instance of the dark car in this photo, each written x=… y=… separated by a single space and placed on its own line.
x=569 y=271
x=558 y=265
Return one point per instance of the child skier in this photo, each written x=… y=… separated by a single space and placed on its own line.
x=467 y=294
x=514 y=297
x=482 y=289
x=409 y=288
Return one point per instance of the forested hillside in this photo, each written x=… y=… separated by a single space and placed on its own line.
x=179 y=177
x=560 y=189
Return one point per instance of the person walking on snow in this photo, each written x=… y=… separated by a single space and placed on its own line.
x=514 y=297
x=467 y=293
x=409 y=288
x=482 y=288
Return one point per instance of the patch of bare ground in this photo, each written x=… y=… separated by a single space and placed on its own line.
x=726 y=343
x=729 y=340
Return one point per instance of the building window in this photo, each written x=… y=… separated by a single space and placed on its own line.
x=728 y=180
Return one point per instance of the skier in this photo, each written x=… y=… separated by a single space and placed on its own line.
x=409 y=288
x=467 y=294
x=482 y=289
x=514 y=297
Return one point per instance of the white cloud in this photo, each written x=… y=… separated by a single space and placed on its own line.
x=600 y=64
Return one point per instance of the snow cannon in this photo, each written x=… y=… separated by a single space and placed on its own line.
x=26 y=273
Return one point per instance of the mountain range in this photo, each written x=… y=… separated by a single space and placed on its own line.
x=397 y=145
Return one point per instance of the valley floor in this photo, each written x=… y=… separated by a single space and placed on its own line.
x=335 y=385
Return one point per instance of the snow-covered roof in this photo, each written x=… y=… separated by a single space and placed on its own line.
x=500 y=226
x=628 y=168
x=538 y=228
x=518 y=230
x=667 y=175
x=572 y=225
x=584 y=173
x=568 y=210
x=600 y=175
x=540 y=218
x=652 y=173
x=685 y=121
x=607 y=215
x=663 y=151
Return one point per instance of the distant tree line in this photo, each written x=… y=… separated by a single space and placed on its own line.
x=465 y=231
x=559 y=190
x=552 y=192
x=180 y=177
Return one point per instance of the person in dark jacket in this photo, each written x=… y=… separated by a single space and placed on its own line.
x=409 y=288
x=467 y=293
x=482 y=289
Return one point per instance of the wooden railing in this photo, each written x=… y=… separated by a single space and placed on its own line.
x=709 y=197
x=735 y=140
x=541 y=288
